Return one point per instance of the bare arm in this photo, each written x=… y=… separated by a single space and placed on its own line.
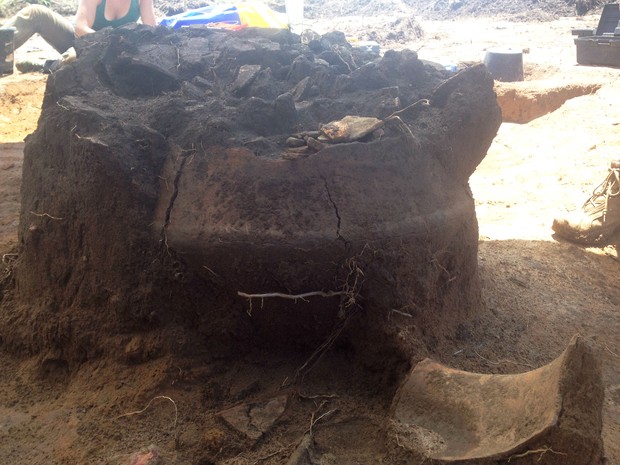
x=147 y=14
x=85 y=17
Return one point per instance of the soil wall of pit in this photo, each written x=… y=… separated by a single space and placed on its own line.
x=159 y=184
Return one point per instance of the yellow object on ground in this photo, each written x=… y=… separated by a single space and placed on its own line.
x=257 y=14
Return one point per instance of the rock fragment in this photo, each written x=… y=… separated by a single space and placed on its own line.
x=350 y=128
x=254 y=420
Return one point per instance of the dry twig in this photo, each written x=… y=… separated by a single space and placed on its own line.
x=422 y=102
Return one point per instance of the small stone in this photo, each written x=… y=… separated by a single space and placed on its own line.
x=213 y=439
x=315 y=144
x=295 y=142
x=148 y=457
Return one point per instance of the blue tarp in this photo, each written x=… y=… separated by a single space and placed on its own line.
x=205 y=15
x=232 y=16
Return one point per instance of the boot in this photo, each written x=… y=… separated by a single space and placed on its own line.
x=599 y=218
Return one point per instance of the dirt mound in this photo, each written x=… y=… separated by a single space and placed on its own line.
x=170 y=189
x=517 y=10
x=390 y=30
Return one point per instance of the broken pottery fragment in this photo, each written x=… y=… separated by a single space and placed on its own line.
x=350 y=128
x=254 y=420
x=245 y=77
x=451 y=416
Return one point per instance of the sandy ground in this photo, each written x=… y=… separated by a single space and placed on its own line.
x=538 y=290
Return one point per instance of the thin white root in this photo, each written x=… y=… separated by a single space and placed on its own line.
x=294 y=297
x=541 y=451
x=46 y=214
x=499 y=362
x=9 y=257
x=291 y=296
x=176 y=414
x=422 y=102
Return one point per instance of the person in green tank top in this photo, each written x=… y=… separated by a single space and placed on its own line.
x=91 y=16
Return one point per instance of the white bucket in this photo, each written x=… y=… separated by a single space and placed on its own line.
x=295 y=15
